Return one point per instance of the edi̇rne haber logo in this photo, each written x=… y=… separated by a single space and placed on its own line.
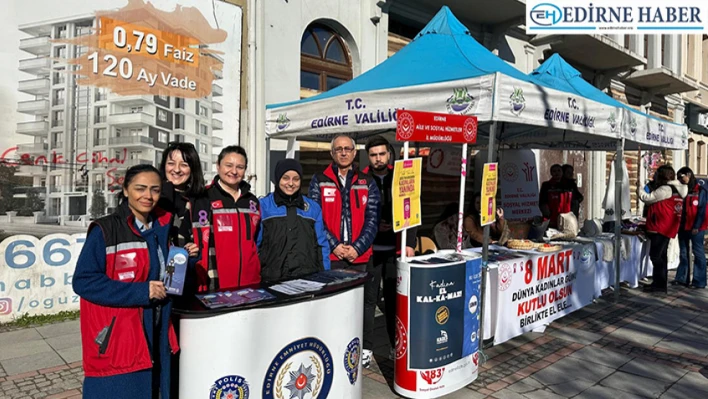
x=517 y=102
x=229 y=387
x=460 y=102
x=282 y=122
x=615 y=17
x=303 y=369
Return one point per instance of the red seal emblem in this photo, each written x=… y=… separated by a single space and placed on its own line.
x=469 y=130
x=505 y=275
x=405 y=126
x=401 y=339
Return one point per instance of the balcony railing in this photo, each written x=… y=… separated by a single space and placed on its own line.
x=58 y=122
x=217 y=124
x=36 y=45
x=35 y=86
x=100 y=119
x=134 y=162
x=57 y=144
x=217 y=141
x=131 y=119
x=130 y=140
x=216 y=90
x=33 y=107
x=36 y=65
x=217 y=107
x=100 y=141
x=33 y=127
x=32 y=148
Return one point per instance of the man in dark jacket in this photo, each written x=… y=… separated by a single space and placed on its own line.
x=387 y=244
x=350 y=210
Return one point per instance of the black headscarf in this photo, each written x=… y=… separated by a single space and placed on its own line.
x=279 y=196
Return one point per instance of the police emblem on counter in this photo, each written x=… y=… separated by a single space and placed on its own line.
x=351 y=360
x=229 y=387
x=301 y=370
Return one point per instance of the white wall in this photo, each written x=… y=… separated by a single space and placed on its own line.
x=284 y=24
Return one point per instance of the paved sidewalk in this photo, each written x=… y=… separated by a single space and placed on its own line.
x=646 y=346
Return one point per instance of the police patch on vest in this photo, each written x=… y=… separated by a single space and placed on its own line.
x=351 y=360
x=302 y=369
x=229 y=387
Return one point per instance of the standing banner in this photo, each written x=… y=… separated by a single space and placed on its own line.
x=546 y=286
x=488 y=206
x=406 y=193
x=437 y=322
x=519 y=184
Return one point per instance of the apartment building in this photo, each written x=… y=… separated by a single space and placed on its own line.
x=84 y=138
x=695 y=68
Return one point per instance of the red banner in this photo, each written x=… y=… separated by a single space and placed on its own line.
x=430 y=127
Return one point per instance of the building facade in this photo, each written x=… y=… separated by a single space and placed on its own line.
x=83 y=138
x=695 y=69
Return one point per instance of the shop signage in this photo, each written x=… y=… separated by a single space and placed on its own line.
x=488 y=206
x=430 y=127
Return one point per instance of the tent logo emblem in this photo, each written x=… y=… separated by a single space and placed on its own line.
x=517 y=102
x=612 y=121
x=632 y=126
x=282 y=122
x=461 y=102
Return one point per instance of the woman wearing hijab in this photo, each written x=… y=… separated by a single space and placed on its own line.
x=693 y=228
x=292 y=240
x=126 y=331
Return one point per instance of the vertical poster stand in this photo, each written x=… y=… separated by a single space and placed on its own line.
x=437 y=312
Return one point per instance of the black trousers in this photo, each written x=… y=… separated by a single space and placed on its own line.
x=370 y=296
x=385 y=263
x=659 y=258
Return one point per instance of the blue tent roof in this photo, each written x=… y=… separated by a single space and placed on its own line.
x=443 y=51
x=556 y=73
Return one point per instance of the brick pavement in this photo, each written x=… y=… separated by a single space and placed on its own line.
x=644 y=347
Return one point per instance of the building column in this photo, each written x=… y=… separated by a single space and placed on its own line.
x=619 y=39
x=654 y=52
x=530 y=52
x=672 y=52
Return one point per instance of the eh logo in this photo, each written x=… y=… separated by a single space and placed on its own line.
x=546 y=14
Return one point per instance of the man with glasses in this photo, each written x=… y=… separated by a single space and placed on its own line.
x=350 y=209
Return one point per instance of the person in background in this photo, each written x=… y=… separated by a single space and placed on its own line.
x=225 y=226
x=665 y=204
x=692 y=233
x=291 y=229
x=387 y=243
x=555 y=197
x=126 y=330
x=350 y=209
x=498 y=231
x=569 y=178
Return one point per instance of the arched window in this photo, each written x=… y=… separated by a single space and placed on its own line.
x=325 y=62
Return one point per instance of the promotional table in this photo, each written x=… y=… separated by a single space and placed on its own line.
x=308 y=344
x=437 y=323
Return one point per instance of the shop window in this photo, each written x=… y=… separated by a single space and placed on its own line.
x=325 y=62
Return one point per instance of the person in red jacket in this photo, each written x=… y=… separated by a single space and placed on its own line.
x=693 y=230
x=665 y=204
x=225 y=223
x=127 y=335
x=555 y=197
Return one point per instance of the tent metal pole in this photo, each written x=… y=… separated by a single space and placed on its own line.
x=404 y=232
x=266 y=178
x=485 y=257
x=619 y=158
x=461 y=205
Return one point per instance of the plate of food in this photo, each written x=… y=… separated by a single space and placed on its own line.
x=523 y=245
x=548 y=247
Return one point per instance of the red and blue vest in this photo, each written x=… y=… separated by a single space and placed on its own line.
x=331 y=203
x=127 y=260
x=690 y=206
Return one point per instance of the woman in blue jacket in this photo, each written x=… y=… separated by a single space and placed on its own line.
x=126 y=332
x=692 y=232
x=292 y=240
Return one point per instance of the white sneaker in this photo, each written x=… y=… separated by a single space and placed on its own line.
x=366 y=356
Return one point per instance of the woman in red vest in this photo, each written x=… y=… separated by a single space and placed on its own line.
x=693 y=228
x=665 y=204
x=225 y=226
x=126 y=332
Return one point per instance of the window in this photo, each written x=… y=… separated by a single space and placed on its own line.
x=203 y=111
x=162 y=137
x=205 y=167
x=59 y=76
x=57 y=118
x=59 y=97
x=179 y=103
x=136 y=132
x=60 y=52
x=61 y=31
x=179 y=121
x=57 y=140
x=324 y=59
x=204 y=130
x=162 y=115
x=81 y=50
x=99 y=137
x=100 y=113
x=101 y=94
x=163 y=98
x=203 y=148
x=178 y=138
x=136 y=110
